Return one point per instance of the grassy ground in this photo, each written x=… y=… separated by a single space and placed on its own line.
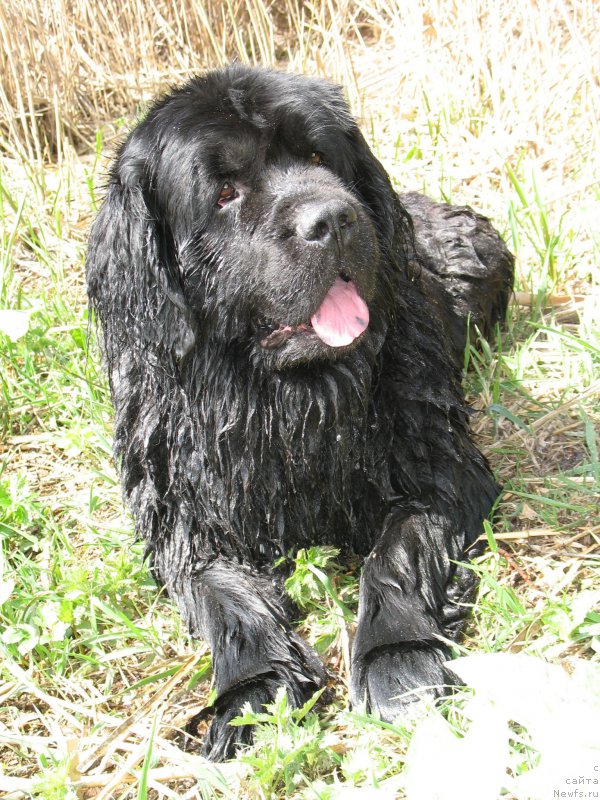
x=495 y=105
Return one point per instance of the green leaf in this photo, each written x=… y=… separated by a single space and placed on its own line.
x=501 y=411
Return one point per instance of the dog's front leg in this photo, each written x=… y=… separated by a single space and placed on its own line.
x=405 y=603
x=240 y=614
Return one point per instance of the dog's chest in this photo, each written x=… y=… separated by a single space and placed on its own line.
x=293 y=464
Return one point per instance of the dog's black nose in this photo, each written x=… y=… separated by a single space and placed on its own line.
x=333 y=221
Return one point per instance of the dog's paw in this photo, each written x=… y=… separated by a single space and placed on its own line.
x=224 y=740
x=391 y=681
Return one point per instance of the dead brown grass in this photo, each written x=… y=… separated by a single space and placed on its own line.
x=66 y=68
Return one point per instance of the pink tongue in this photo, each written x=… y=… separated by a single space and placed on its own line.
x=342 y=316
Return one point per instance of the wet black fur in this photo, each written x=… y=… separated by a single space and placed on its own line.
x=233 y=453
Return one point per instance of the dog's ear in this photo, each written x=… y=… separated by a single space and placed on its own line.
x=374 y=186
x=133 y=279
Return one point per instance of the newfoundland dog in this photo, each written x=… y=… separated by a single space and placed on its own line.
x=284 y=337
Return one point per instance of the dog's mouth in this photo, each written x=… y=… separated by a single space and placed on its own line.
x=339 y=321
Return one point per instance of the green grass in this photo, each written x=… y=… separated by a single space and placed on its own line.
x=97 y=673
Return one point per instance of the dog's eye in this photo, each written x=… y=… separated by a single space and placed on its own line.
x=227 y=194
x=316 y=158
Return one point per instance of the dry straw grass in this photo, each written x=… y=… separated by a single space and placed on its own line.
x=68 y=67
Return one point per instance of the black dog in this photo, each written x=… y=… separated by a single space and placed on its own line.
x=284 y=340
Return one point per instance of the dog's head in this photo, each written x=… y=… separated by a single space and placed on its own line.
x=245 y=210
